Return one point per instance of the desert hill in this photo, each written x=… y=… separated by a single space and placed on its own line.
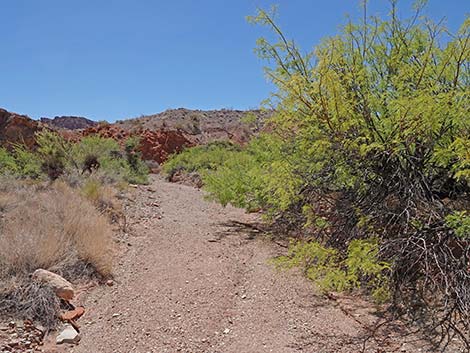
x=161 y=134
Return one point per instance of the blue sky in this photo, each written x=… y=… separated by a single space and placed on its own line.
x=114 y=59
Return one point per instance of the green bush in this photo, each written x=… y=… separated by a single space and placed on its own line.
x=324 y=266
x=138 y=170
x=27 y=163
x=200 y=158
x=54 y=153
x=55 y=157
x=371 y=136
x=7 y=162
x=459 y=222
x=19 y=163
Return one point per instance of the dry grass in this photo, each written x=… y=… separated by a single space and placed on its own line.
x=54 y=228
x=106 y=199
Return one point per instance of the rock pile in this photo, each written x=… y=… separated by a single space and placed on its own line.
x=64 y=290
x=21 y=336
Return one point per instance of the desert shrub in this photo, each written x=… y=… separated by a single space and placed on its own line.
x=324 y=265
x=20 y=297
x=200 y=158
x=94 y=154
x=371 y=135
x=53 y=152
x=52 y=228
x=138 y=170
x=20 y=163
x=7 y=162
x=27 y=163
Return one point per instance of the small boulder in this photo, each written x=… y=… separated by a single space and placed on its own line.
x=62 y=288
x=68 y=335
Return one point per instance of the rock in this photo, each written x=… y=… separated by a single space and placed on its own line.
x=155 y=145
x=69 y=122
x=73 y=314
x=110 y=283
x=62 y=288
x=41 y=330
x=16 y=128
x=68 y=335
x=14 y=343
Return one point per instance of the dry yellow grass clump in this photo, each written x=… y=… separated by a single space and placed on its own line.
x=54 y=228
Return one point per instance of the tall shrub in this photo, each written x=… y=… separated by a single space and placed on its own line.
x=371 y=136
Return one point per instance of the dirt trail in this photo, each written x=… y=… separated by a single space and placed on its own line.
x=190 y=280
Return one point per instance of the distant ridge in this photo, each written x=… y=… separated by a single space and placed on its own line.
x=69 y=122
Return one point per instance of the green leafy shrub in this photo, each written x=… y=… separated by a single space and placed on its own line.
x=93 y=154
x=7 y=162
x=55 y=157
x=459 y=221
x=19 y=163
x=104 y=156
x=323 y=265
x=138 y=170
x=200 y=158
x=370 y=135
x=27 y=163
x=53 y=152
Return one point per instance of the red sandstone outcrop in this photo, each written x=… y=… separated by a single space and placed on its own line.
x=159 y=145
x=155 y=145
x=16 y=128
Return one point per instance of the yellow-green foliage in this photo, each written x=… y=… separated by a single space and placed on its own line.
x=459 y=221
x=255 y=177
x=55 y=157
x=19 y=163
x=200 y=158
x=360 y=269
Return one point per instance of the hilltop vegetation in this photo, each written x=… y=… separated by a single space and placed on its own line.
x=366 y=164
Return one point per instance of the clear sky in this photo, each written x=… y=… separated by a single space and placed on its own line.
x=114 y=59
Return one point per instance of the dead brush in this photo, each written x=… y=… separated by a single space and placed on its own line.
x=20 y=297
x=53 y=228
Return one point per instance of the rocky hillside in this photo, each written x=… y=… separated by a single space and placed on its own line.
x=201 y=126
x=16 y=128
x=161 y=134
x=69 y=122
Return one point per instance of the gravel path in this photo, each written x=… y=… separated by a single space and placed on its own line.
x=190 y=280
